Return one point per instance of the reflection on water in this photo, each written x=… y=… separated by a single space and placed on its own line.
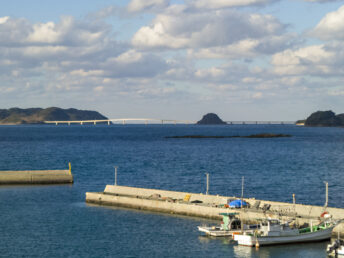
x=224 y=240
x=284 y=251
x=244 y=251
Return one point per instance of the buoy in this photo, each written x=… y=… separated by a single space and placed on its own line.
x=257 y=244
x=323 y=214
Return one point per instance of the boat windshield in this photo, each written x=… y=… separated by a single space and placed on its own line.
x=236 y=224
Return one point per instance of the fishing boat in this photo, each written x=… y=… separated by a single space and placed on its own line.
x=336 y=248
x=272 y=232
x=230 y=225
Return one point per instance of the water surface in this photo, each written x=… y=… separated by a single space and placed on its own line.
x=54 y=221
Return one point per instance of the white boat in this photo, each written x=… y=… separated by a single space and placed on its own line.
x=230 y=225
x=273 y=232
x=336 y=248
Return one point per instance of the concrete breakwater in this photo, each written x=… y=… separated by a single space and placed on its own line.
x=208 y=206
x=36 y=177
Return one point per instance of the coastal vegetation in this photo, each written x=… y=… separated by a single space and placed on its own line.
x=325 y=118
x=261 y=135
x=211 y=119
x=39 y=115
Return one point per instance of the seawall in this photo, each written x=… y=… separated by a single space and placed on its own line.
x=36 y=177
x=207 y=206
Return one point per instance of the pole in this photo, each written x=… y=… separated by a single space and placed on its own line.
x=207 y=175
x=242 y=189
x=294 y=203
x=70 y=168
x=326 y=201
x=242 y=196
x=115 y=174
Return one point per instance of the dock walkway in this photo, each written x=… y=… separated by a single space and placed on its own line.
x=36 y=177
x=207 y=206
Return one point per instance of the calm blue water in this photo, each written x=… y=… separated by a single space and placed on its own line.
x=54 y=221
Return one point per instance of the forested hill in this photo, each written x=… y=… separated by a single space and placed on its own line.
x=325 y=118
x=39 y=115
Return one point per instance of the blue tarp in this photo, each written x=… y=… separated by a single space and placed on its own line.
x=237 y=204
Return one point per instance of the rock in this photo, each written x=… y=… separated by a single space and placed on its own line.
x=266 y=135
x=211 y=119
x=261 y=135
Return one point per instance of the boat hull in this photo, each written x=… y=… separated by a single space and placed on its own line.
x=217 y=232
x=248 y=240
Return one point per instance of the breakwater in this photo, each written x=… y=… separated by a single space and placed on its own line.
x=36 y=177
x=207 y=206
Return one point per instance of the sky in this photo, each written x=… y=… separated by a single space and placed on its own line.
x=174 y=59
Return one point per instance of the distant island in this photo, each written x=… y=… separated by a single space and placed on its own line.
x=15 y=116
x=211 y=119
x=325 y=118
x=261 y=135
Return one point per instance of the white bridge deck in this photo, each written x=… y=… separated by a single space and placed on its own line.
x=162 y=121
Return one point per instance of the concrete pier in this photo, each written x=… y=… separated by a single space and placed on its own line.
x=36 y=177
x=207 y=206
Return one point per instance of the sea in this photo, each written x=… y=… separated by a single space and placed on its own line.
x=55 y=221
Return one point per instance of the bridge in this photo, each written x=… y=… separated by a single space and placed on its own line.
x=124 y=121
x=261 y=122
x=162 y=121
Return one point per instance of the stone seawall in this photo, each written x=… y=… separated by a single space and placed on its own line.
x=208 y=206
x=36 y=177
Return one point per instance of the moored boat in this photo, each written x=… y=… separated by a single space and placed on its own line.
x=230 y=225
x=336 y=248
x=274 y=232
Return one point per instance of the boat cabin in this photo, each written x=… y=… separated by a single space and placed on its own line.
x=230 y=222
x=273 y=227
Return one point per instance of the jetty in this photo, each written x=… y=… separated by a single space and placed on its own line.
x=36 y=177
x=208 y=206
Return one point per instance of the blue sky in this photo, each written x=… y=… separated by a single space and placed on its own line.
x=242 y=59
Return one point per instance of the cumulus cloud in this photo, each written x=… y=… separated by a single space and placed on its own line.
x=204 y=29
x=317 y=60
x=68 y=32
x=217 y=4
x=68 y=55
x=247 y=48
x=106 y=12
x=147 y=5
x=322 y=1
x=84 y=58
x=331 y=27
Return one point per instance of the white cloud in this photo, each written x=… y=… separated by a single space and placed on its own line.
x=44 y=33
x=314 y=60
x=146 y=5
x=204 y=29
x=67 y=32
x=322 y=1
x=83 y=56
x=68 y=55
x=4 y=19
x=247 y=48
x=130 y=56
x=213 y=72
x=217 y=4
x=331 y=27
